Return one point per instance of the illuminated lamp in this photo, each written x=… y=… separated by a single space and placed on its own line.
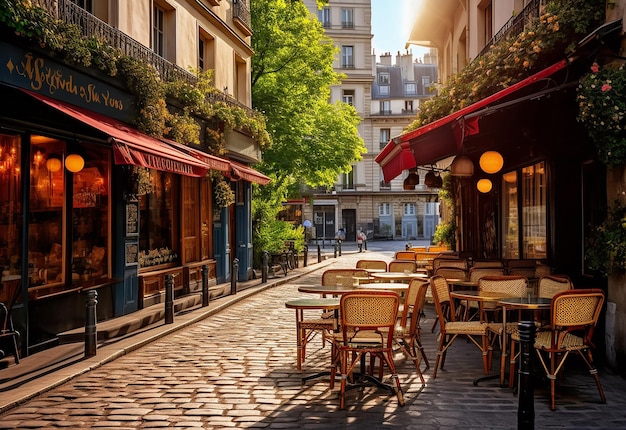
x=74 y=163
x=430 y=179
x=491 y=162
x=411 y=180
x=484 y=185
x=462 y=167
x=53 y=165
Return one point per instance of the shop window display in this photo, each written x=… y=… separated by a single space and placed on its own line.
x=10 y=211
x=158 y=229
x=60 y=193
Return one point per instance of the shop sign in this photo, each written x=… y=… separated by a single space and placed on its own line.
x=42 y=75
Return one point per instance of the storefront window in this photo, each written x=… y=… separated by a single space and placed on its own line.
x=533 y=214
x=87 y=246
x=46 y=229
x=90 y=218
x=10 y=211
x=158 y=229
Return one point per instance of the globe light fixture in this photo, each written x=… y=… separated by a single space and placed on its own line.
x=484 y=185
x=74 y=163
x=462 y=167
x=491 y=162
x=53 y=165
x=411 y=180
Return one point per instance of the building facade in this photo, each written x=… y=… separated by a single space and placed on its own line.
x=89 y=202
x=386 y=95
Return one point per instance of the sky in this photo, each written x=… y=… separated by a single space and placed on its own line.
x=391 y=24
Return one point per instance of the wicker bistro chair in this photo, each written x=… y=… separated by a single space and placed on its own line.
x=402 y=266
x=475 y=331
x=372 y=264
x=367 y=320
x=404 y=255
x=573 y=317
x=9 y=337
x=548 y=287
x=343 y=277
x=407 y=334
x=452 y=261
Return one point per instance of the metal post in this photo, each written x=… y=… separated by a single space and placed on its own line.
x=335 y=250
x=526 y=408
x=340 y=248
x=205 y=285
x=264 y=266
x=365 y=243
x=319 y=254
x=169 y=298
x=306 y=255
x=234 y=274
x=91 y=332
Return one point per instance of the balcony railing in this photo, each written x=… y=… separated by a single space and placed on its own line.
x=242 y=13
x=516 y=24
x=91 y=26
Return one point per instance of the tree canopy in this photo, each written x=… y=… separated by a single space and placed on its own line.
x=292 y=71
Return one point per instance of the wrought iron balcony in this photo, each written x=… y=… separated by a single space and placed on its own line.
x=91 y=26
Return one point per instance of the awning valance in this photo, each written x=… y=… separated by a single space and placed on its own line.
x=241 y=171
x=444 y=137
x=130 y=146
x=213 y=161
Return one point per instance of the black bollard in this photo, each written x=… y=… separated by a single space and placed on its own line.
x=234 y=274
x=365 y=243
x=169 y=298
x=319 y=254
x=264 y=266
x=526 y=408
x=205 y=285
x=91 y=333
x=340 y=248
x=335 y=250
x=306 y=255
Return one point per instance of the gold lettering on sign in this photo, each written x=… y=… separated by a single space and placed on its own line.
x=167 y=164
x=53 y=80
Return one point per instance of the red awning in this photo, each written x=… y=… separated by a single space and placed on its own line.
x=214 y=162
x=444 y=137
x=241 y=171
x=129 y=145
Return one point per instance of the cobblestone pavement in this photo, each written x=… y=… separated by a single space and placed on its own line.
x=236 y=369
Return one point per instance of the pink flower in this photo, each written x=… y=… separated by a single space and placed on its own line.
x=606 y=87
x=595 y=68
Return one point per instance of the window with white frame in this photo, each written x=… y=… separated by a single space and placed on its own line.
x=158 y=30
x=324 y=17
x=383 y=90
x=347 y=57
x=408 y=209
x=410 y=88
x=347 y=18
x=348 y=180
x=347 y=97
x=384 y=209
x=384 y=78
x=408 y=106
x=385 y=135
x=385 y=107
x=426 y=83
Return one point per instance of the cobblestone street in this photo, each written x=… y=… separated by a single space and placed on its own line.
x=237 y=369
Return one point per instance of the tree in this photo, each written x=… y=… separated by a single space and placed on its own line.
x=313 y=140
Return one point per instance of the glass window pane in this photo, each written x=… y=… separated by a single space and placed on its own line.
x=510 y=236
x=10 y=207
x=534 y=211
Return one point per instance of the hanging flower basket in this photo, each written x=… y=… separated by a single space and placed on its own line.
x=602 y=107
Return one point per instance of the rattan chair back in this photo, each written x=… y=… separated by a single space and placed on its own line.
x=576 y=308
x=514 y=286
x=475 y=273
x=548 y=286
x=459 y=263
x=372 y=264
x=402 y=266
x=452 y=273
x=342 y=277
x=405 y=255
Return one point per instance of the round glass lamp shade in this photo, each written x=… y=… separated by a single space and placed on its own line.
x=462 y=167
x=430 y=180
x=407 y=187
x=491 y=162
x=53 y=165
x=484 y=185
x=74 y=163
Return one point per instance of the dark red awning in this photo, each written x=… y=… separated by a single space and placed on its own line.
x=214 y=162
x=130 y=146
x=444 y=137
x=241 y=171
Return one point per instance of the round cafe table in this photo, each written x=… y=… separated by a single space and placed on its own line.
x=398 y=276
x=333 y=290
